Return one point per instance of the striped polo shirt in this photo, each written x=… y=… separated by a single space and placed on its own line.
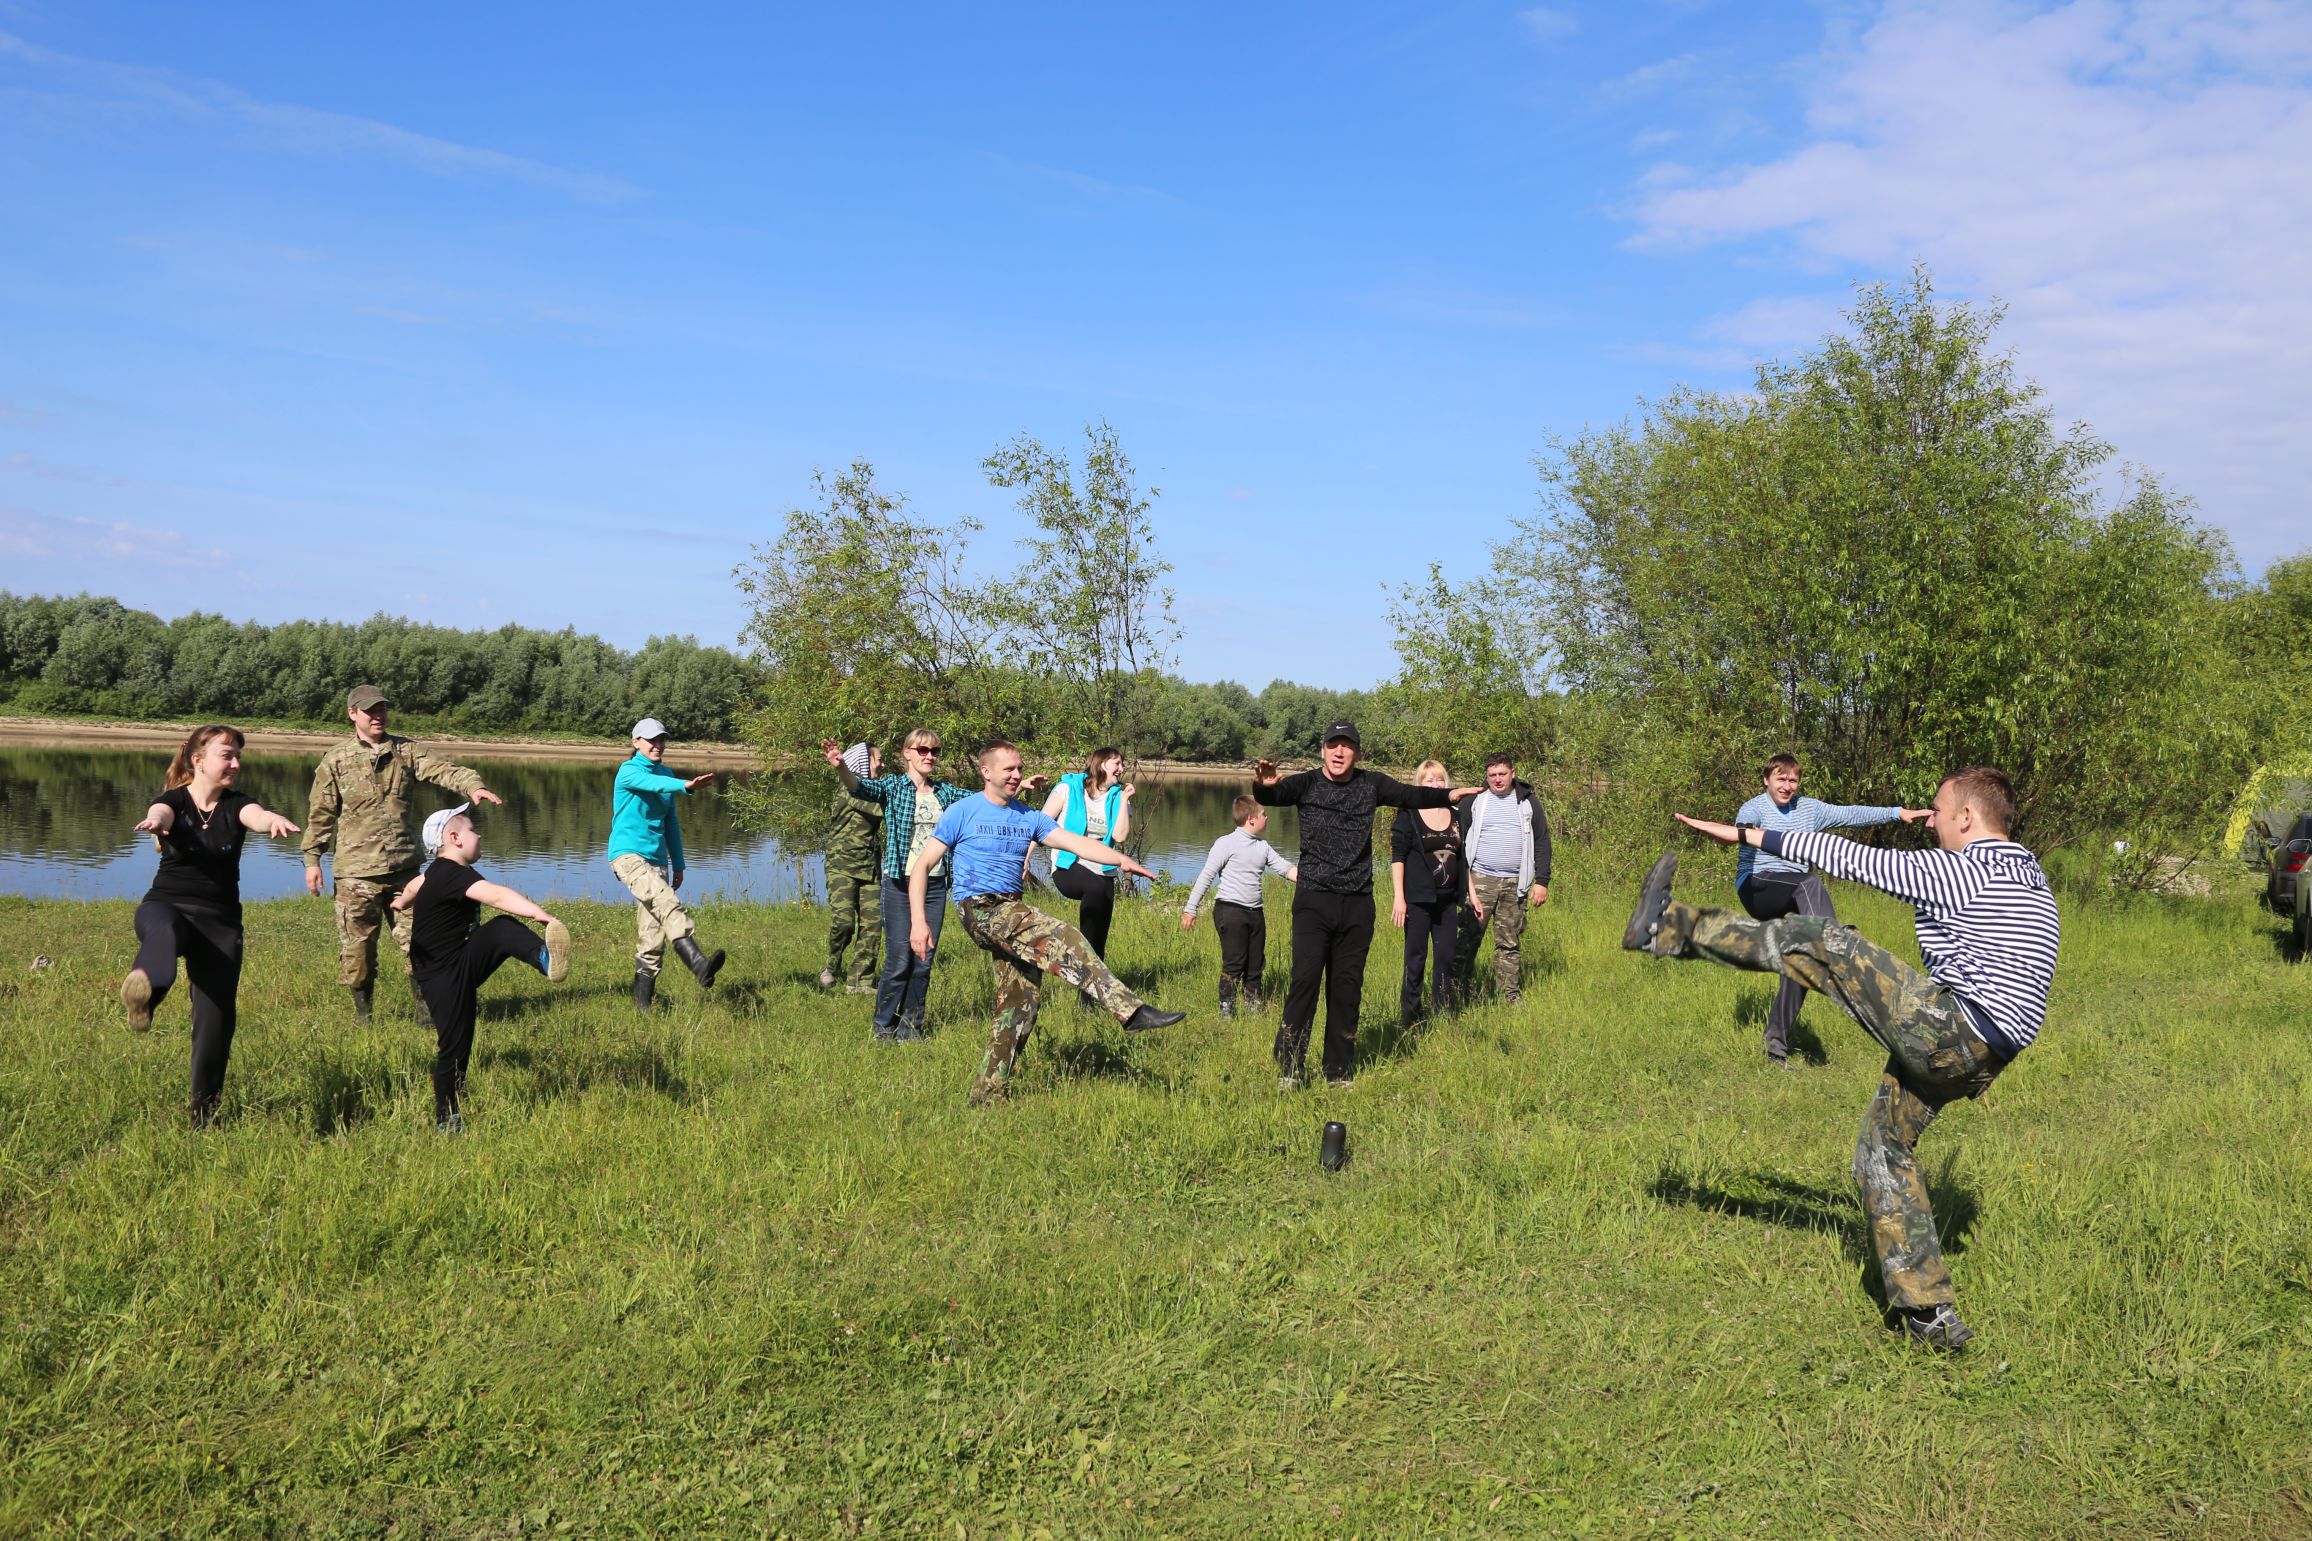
x=1986 y=920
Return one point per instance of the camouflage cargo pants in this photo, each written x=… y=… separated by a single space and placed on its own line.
x=365 y=907
x=854 y=912
x=659 y=917
x=1934 y=1056
x=1505 y=915
x=1024 y=943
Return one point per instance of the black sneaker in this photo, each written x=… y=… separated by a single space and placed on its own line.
x=1935 y=1327
x=1653 y=899
x=1149 y=1017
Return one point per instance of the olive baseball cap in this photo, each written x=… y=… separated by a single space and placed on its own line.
x=367 y=698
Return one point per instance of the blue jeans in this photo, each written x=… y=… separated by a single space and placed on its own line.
x=906 y=980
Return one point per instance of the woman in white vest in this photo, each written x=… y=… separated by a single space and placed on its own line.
x=1095 y=803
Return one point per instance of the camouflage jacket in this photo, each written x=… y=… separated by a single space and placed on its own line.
x=854 y=835
x=360 y=805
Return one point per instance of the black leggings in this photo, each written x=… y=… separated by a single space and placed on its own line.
x=1095 y=893
x=450 y=992
x=1771 y=896
x=210 y=944
x=1429 y=928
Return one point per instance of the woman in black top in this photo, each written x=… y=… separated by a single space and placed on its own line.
x=193 y=909
x=1426 y=868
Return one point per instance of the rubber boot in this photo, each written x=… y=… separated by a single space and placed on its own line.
x=361 y=995
x=645 y=986
x=417 y=999
x=703 y=966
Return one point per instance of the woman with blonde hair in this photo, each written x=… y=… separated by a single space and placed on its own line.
x=1095 y=802
x=193 y=909
x=1427 y=869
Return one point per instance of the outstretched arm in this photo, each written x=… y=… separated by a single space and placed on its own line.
x=408 y=894
x=499 y=897
x=265 y=821
x=159 y=819
x=1093 y=851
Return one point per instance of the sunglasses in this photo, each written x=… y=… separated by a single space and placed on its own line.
x=923 y=749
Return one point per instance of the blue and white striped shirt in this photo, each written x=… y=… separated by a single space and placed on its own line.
x=1803 y=813
x=1986 y=919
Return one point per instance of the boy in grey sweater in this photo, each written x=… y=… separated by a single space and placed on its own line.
x=1238 y=861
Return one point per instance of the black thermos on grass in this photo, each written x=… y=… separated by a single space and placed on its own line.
x=1333 y=1153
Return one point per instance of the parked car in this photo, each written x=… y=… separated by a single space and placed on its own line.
x=2285 y=856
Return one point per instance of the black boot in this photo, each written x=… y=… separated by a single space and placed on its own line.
x=361 y=994
x=703 y=966
x=417 y=999
x=645 y=985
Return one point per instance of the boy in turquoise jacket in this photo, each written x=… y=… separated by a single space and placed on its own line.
x=646 y=853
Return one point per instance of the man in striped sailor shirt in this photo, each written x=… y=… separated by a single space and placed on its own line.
x=1988 y=930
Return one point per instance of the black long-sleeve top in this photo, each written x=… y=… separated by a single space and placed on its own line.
x=1336 y=821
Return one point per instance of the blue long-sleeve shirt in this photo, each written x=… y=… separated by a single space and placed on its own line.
x=642 y=817
x=1802 y=813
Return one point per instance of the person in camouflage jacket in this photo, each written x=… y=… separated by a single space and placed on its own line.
x=854 y=857
x=360 y=815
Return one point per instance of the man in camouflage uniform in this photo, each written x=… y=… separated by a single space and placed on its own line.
x=990 y=836
x=1988 y=930
x=854 y=865
x=360 y=809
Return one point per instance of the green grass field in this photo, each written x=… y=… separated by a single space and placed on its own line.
x=1593 y=1269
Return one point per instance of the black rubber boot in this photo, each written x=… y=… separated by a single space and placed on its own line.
x=361 y=996
x=417 y=999
x=703 y=966
x=645 y=985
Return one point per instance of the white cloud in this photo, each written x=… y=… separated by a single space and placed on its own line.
x=1544 y=25
x=2134 y=180
x=36 y=536
x=1651 y=77
x=309 y=130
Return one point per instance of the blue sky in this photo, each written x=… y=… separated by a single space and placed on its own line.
x=546 y=314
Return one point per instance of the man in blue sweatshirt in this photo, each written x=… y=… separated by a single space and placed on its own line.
x=1988 y=932
x=1771 y=887
x=646 y=853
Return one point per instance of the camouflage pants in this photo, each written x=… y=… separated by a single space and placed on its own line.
x=364 y=907
x=1934 y=1056
x=854 y=911
x=1024 y=943
x=1505 y=913
x=659 y=917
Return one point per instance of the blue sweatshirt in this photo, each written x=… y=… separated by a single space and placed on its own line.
x=1803 y=813
x=642 y=818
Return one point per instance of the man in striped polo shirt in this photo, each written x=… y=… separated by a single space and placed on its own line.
x=1988 y=930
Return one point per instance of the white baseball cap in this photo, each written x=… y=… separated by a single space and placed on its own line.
x=437 y=824
x=649 y=727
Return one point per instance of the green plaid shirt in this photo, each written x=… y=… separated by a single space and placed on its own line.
x=896 y=792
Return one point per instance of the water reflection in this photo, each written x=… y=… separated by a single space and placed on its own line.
x=66 y=818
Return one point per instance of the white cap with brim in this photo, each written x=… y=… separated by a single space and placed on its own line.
x=437 y=825
x=649 y=727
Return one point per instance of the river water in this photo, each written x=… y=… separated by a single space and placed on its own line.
x=67 y=820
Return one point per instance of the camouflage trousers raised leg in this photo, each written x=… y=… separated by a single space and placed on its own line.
x=364 y=907
x=1024 y=944
x=854 y=913
x=1934 y=1057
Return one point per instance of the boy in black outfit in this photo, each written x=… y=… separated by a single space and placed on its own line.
x=453 y=953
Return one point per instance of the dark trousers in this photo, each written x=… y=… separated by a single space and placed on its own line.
x=1331 y=933
x=210 y=943
x=450 y=992
x=1771 y=896
x=1095 y=896
x=906 y=980
x=1243 y=932
x=1431 y=933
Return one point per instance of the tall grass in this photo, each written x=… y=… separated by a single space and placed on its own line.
x=1592 y=1270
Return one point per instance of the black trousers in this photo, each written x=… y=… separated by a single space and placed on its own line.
x=1431 y=931
x=210 y=943
x=450 y=996
x=1331 y=933
x=1771 y=896
x=1243 y=932
x=1095 y=896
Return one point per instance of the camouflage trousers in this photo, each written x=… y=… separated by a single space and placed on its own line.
x=1505 y=916
x=1934 y=1056
x=659 y=917
x=1024 y=943
x=855 y=912
x=364 y=907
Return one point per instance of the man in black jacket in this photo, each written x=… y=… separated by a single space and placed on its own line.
x=1332 y=909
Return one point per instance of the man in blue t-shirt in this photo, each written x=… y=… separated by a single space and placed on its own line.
x=986 y=840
